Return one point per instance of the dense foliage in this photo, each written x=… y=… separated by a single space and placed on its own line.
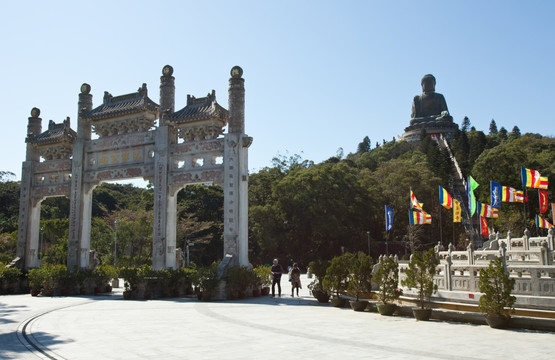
x=303 y=211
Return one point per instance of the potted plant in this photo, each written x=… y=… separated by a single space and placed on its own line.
x=387 y=278
x=67 y=283
x=205 y=280
x=337 y=277
x=361 y=280
x=36 y=279
x=85 y=281
x=318 y=269
x=420 y=275
x=496 y=300
x=261 y=280
x=239 y=279
x=102 y=275
x=10 y=279
x=131 y=279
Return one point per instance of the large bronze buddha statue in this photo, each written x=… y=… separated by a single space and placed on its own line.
x=429 y=106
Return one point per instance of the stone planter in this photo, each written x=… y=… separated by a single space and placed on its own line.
x=422 y=314
x=265 y=291
x=497 y=321
x=321 y=296
x=359 y=305
x=336 y=301
x=386 y=309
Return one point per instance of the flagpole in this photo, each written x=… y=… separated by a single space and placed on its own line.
x=440 y=228
x=524 y=203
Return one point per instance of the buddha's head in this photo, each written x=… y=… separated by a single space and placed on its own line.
x=428 y=83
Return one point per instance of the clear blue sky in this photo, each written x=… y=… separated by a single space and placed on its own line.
x=319 y=75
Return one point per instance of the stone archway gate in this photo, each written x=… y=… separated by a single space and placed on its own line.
x=187 y=146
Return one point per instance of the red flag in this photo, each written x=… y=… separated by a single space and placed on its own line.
x=543 y=201
x=484 y=226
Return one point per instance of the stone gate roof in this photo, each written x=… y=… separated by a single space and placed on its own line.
x=55 y=133
x=200 y=109
x=115 y=106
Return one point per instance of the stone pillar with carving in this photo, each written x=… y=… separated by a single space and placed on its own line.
x=167 y=94
x=80 y=206
x=165 y=206
x=28 y=230
x=235 y=184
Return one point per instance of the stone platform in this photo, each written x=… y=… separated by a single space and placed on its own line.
x=107 y=327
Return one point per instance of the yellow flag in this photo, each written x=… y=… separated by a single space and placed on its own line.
x=456 y=211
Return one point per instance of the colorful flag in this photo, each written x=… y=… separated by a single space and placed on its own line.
x=496 y=197
x=414 y=204
x=445 y=199
x=544 y=204
x=487 y=211
x=533 y=179
x=542 y=223
x=419 y=217
x=543 y=182
x=509 y=194
x=456 y=211
x=471 y=185
x=388 y=218
x=484 y=226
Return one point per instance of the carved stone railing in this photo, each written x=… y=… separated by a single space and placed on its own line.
x=528 y=260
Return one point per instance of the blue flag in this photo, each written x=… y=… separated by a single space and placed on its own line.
x=496 y=194
x=388 y=218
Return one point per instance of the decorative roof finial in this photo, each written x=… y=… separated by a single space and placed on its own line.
x=236 y=72
x=35 y=112
x=167 y=70
x=85 y=88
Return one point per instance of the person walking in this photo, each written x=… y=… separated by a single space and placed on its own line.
x=277 y=270
x=295 y=279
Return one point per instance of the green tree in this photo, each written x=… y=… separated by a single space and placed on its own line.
x=493 y=127
x=496 y=287
x=364 y=146
x=515 y=133
x=465 y=124
x=9 y=205
x=420 y=274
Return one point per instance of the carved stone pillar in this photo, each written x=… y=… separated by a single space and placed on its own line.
x=80 y=206
x=235 y=182
x=29 y=211
x=159 y=243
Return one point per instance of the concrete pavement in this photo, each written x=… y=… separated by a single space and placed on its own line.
x=108 y=327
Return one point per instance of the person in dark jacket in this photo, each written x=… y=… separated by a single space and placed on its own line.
x=277 y=270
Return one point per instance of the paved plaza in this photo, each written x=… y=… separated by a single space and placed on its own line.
x=108 y=327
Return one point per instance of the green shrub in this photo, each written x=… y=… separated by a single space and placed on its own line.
x=361 y=275
x=102 y=274
x=240 y=278
x=496 y=286
x=420 y=274
x=36 y=278
x=205 y=278
x=338 y=273
x=10 y=274
x=318 y=268
x=387 y=278
x=263 y=275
